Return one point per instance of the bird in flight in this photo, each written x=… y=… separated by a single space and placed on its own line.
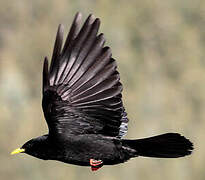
x=82 y=105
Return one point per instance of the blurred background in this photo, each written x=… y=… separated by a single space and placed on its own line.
x=160 y=51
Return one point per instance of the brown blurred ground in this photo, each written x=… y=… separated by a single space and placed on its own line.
x=160 y=50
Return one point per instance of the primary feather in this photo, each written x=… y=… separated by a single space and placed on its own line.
x=83 y=82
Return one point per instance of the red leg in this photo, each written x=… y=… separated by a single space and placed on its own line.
x=96 y=164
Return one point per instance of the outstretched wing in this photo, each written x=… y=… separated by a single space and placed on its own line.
x=82 y=89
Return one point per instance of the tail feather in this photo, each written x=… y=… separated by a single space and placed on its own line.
x=170 y=145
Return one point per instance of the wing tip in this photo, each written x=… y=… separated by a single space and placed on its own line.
x=45 y=64
x=45 y=74
x=97 y=20
x=77 y=19
x=60 y=29
x=91 y=19
x=78 y=16
x=107 y=51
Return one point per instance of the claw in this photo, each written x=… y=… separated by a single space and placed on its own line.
x=96 y=164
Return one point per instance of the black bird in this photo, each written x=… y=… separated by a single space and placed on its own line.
x=83 y=108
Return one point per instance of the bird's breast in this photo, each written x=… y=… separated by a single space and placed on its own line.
x=80 y=149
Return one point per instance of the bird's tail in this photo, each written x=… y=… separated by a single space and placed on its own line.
x=170 y=145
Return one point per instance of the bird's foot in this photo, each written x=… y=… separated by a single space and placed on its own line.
x=96 y=164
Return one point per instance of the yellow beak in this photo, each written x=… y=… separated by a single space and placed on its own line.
x=16 y=151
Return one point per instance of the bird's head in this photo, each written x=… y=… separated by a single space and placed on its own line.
x=36 y=147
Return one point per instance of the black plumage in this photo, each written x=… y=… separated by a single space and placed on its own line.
x=83 y=108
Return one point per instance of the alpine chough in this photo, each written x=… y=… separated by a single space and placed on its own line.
x=82 y=105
